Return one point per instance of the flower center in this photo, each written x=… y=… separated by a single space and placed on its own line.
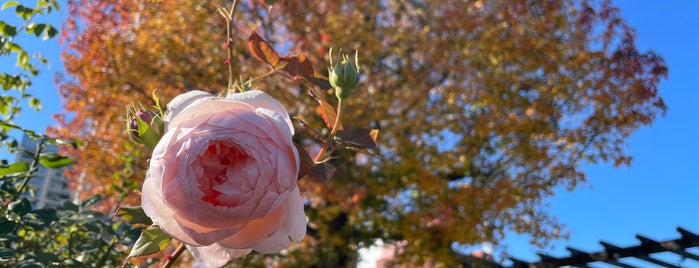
x=218 y=163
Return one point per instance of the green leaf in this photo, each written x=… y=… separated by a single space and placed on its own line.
x=23 y=60
x=152 y=240
x=8 y=4
x=16 y=49
x=39 y=29
x=7 y=226
x=134 y=215
x=35 y=103
x=6 y=254
x=50 y=32
x=14 y=168
x=54 y=160
x=9 y=30
x=72 y=142
x=46 y=215
x=68 y=205
x=21 y=206
x=91 y=201
x=24 y=12
x=45 y=258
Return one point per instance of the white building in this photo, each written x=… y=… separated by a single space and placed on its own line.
x=50 y=185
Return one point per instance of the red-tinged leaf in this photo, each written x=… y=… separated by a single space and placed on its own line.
x=320 y=82
x=326 y=110
x=359 y=137
x=312 y=132
x=298 y=65
x=262 y=50
x=322 y=172
x=364 y=151
x=306 y=161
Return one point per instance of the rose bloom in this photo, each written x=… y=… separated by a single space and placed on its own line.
x=223 y=177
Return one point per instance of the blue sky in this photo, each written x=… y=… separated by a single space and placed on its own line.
x=658 y=193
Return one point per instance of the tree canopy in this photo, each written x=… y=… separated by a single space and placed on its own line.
x=484 y=107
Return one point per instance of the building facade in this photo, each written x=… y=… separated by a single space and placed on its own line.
x=49 y=187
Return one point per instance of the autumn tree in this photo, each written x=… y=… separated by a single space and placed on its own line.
x=484 y=107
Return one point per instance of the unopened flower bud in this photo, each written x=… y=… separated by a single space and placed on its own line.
x=145 y=127
x=344 y=76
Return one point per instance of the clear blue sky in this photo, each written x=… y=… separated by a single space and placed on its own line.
x=658 y=193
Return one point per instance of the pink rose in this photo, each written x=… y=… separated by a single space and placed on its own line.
x=223 y=177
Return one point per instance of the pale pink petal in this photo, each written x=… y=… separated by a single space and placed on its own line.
x=293 y=227
x=258 y=98
x=215 y=255
x=161 y=214
x=256 y=230
x=203 y=235
x=179 y=103
x=278 y=121
x=185 y=197
x=296 y=222
x=276 y=242
x=224 y=211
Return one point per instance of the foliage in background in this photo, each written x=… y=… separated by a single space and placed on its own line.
x=485 y=107
x=75 y=236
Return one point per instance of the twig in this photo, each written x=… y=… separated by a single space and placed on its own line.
x=32 y=168
x=331 y=137
x=173 y=257
x=229 y=43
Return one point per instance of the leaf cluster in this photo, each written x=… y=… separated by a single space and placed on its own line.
x=74 y=235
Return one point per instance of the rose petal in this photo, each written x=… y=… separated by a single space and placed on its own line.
x=293 y=226
x=179 y=103
x=296 y=222
x=185 y=197
x=256 y=229
x=260 y=99
x=161 y=214
x=215 y=255
x=240 y=196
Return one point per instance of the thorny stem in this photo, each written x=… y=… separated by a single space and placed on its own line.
x=331 y=137
x=173 y=257
x=229 y=44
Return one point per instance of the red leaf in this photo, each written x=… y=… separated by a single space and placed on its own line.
x=361 y=137
x=320 y=82
x=306 y=161
x=298 y=66
x=314 y=134
x=322 y=172
x=262 y=50
x=326 y=110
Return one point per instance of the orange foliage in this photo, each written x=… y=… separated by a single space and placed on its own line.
x=484 y=106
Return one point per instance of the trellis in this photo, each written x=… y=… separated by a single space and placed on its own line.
x=616 y=256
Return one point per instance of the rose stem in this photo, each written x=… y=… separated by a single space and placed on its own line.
x=229 y=43
x=173 y=257
x=336 y=125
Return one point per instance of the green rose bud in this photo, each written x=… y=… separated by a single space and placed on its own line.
x=344 y=76
x=144 y=126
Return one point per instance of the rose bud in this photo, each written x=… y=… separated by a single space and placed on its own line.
x=144 y=127
x=344 y=76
